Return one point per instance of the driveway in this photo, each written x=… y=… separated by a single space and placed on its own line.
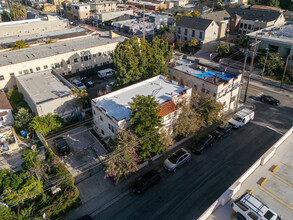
x=86 y=149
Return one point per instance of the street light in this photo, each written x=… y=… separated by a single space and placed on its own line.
x=264 y=66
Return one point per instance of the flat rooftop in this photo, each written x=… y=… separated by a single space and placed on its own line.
x=276 y=192
x=48 y=50
x=203 y=73
x=43 y=86
x=30 y=21
x=116 y=104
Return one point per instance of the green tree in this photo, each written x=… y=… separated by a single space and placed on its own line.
x=22 y=120
x=189 y=121
x=187 y=14
x=126 y=160
x=146 y=123
x=82 y=96
x=223 y=49
x=244 y=42
x=274 y=65
x=6 y=16
x=180 y=43
x=174 y=12
x=46 y=124
x=18 y=45
x=178 y=18
x=195 y=14
x=192 y=43
x=168 y=37
x=17 y=12
x=274 y=3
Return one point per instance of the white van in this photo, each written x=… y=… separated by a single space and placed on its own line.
x=241 y=118
x=250 y=208
x=106 y=73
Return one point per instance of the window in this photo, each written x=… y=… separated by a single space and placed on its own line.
x=185 y=38
x=38 y=68
x=100 y=53
x=208 y=92
x=1 y=77
x=68 y=62
x=111 y=128
x=200 y=35
x=178 y=37
x=241 y=25
x=75 y=60
x=45 y=66
x=214 y=94
x=203 y=90
x=102 y=132
x=94 y=55
x=31 y=71
x=11 y=75
x=179 y=30
x=245 y=26
x=19 y=72
x=81 y=58
x=90 y=57
x=26 y=71
x=57 y=65
x=185 y=31
x=249 y=26
x=85 y=58
x=193 y=33
x=195 y=87
x=52 y=66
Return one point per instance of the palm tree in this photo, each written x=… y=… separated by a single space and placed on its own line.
x=82 y=96
x=17 y=12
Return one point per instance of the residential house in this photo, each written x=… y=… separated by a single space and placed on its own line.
x=48 y=92
x=79 y=11
x=6 y=116
x=67 y=57
x=111 y=111
x=224 y=86
x=204 y=30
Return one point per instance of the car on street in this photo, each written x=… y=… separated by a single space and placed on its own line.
x=222 y=131
x=203 y=144
x=269 y=99
x=177 y=159
x=146 y=181
x=78 y=84
x=62 y=146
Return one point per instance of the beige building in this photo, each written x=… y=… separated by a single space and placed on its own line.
x=32 y=26
x=111 y=111
x=78 y=11
x=103 y=6
x=203 y=30
x=47 y=92
x=6 y=116
x=223 y=86
x=66 y=57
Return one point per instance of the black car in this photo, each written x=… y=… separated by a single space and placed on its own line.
x=146 y=181
x=222 y=131
x=270 y=100
x=62 y=146
x=203 y=144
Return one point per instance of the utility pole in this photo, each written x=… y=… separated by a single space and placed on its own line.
x=284 y=71
x=143 y=22
x=250 y=70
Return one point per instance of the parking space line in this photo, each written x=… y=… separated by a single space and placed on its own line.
x=275 y=130
x=286 y=165
x=281 y=180
x=275 y=199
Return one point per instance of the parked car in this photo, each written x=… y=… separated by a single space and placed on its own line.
x=203 y=144
x=62 y=146
x=146 y=181
x=270 y=100
x=222 y=131
x=78 y=84
x=87 y=82
x=177 y=159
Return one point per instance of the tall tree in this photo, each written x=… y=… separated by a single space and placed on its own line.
x=195 y=14
x=168 y=37
x=274 y=3
x=18 y=12
x=125 y=161
x=82 y=96
x=22 y=119
x=244 y=42
x=274 y=65
x=180 y=43
x=223 y=49
x=192 y=43
x=46 y=124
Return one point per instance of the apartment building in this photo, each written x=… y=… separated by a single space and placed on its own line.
x=111 y=111
x=32 y=26
x=6 y=116
x=66 y=57
x=203 y=30
x=106 y=16
x=225 y=87
x=149 y=5
x=78 y=11
x=103 y=6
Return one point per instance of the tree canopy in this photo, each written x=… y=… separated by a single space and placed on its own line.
x=17 y=12
x=22 y=120
x=274 y=3
x=224 y=49
x=46 y=124
x=136 y=59
x=274 y=64
x=18 y=45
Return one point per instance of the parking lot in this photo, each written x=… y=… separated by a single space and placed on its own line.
x=86 y=149
x=276 y=192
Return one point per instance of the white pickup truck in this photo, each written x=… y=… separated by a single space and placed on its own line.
x=241 y=118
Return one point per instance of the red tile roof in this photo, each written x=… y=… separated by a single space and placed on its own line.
x=4 y=103
x=167 y=108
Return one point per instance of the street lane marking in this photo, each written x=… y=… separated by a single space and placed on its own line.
x=286 y=165
x=277 y=196
x=275 y=199
x=285 y=182
x=255 y=89
x=275 y=130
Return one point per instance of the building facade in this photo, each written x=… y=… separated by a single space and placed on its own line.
x=6 y=116
x=223 y=86
x=111 y=111
x=32 y=26
x=106 y=16
x=66 y=57
x=78 y=11
x=103 y=6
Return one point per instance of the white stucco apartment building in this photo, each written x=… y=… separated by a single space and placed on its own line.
x=67 y=57
x=6 y=116
x=111 y=111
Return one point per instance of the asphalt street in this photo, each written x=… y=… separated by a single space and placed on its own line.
x=187 y=193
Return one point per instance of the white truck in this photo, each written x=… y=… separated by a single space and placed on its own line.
x=106 y=73
x=241 y=118
x=250 y=208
